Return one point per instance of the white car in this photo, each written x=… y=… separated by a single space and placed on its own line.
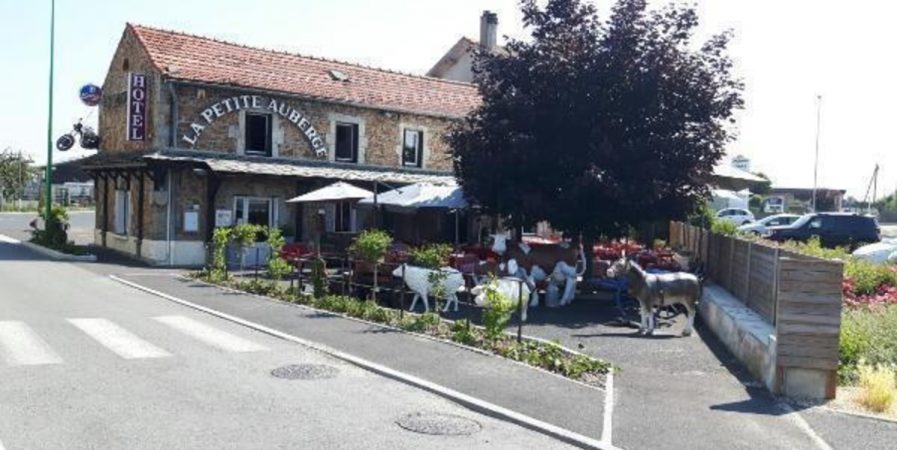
x=761 y=226
x=739 y=216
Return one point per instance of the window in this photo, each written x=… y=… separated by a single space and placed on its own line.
x=413 y=148
x=122 y=211
x=346 y=142
x=258 y=134
x=254 y=210
x=340 y=217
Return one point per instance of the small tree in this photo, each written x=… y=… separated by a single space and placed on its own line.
x=244 y=236
x=221 y=237
x=371 y=246
x=278 y=267
x=15 y=171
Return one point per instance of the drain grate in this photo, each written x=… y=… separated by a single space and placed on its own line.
x=305 y=372
x=439 y=424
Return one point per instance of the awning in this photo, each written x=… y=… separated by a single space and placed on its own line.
x=334 y=192
x=420 y=195
x=294 y=167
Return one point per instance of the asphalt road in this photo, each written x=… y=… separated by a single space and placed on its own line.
x=81 y=225
x=89 y=363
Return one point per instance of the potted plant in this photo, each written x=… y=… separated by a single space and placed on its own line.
x=371 y=246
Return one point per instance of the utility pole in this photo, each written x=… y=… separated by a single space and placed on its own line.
x=816 y=161
x=49 y=171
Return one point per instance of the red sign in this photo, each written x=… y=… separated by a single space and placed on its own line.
x=136 y=107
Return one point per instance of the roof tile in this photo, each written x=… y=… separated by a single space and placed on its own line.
x=195 y=58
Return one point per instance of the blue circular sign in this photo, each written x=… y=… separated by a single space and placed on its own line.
x=91 y=94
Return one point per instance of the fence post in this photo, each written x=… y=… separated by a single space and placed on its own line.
x=747 y=275
x=402 y=294
x=257 y=255
x=520 y=311
x=775 y=286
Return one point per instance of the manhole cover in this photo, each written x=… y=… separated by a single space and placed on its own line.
x=438 y=424
x=305 y=372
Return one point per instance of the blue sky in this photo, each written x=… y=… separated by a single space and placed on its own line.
x=787 y=52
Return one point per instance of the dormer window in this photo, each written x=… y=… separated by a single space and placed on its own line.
x=258 y=134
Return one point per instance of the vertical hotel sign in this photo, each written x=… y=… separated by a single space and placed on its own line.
x=136 y=107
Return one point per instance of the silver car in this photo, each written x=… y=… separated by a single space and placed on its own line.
x=761 y=226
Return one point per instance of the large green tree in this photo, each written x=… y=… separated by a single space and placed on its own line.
x=597 y=125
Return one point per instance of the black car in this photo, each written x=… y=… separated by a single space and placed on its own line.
x=834 y=229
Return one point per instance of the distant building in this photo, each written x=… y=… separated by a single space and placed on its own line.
x=457 y=63
x=742 y=162
x=799 y=200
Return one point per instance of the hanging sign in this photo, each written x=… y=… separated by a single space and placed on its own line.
x=136 y=107
x=91 y=94
x=256 y=103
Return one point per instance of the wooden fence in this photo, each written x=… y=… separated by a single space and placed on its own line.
x=753 y=271
x=800 y=296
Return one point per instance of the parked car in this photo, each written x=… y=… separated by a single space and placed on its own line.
x=761 y=226
x=739 y=216
x=833 y=229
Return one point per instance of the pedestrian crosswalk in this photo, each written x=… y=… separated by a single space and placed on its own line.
x=21 y=345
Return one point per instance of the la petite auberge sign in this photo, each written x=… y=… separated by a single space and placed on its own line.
x=256 y=102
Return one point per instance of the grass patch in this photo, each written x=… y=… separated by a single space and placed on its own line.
x=868 y=336
x=877 y=389
x=548 y=356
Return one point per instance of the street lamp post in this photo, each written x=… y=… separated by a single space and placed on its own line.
x=816 y=161
x=49 y=170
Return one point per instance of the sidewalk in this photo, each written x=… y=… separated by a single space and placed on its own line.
x=532 y=392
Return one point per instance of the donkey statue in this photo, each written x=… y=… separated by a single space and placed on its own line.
x=658 y=290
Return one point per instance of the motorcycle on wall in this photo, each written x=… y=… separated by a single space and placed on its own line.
x=90 y=95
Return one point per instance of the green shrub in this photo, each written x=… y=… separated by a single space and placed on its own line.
x=462 y=333
x=431 y=256
x=498 y=312
x=813 y=247
x=54 y=235
x=868 y=276
x=221 y=237
x=724 y=227
x=335 y=303
x=319 y=277
x=277 y=266
x=421 y=323
x=869 y=335
x=371 y=246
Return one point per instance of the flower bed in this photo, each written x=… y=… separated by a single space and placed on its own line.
x=549 y=356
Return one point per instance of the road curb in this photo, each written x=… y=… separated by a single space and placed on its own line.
x=57 y=255
x=472 y=403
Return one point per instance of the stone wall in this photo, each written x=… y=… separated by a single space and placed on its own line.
x=112 y=111
x=379 y=143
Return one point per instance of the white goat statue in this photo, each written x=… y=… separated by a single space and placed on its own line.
x=418 y=280
x=659 y=290
x=568 y=263
x=508 y=287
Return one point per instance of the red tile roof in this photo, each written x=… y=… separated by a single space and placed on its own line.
x=194 y=58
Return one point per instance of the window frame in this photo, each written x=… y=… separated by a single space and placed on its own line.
x=354 y=142
x=122 y=223
x=241 y=209
x=418 y=150
x=269 y=134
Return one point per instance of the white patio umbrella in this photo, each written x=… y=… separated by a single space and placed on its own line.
x=332 y=193
x=419 y=195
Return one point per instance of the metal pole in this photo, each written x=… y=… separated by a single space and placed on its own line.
x=816 y=161
x=520 y=311
x=257 y=256
x=402 y=294
x=49 y=170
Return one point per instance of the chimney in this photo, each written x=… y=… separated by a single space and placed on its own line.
x=488 y=30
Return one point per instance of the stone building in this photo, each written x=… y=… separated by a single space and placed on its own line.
x=198 y=133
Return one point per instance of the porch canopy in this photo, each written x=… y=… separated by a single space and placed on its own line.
x=335 y=192
x=419 y=196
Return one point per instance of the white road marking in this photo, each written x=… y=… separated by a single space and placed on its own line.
x=119 y=340
x=210 y=335
x=799 y=422
x=607 y=428
x=21 y=346
x=8 y=240
x=1 y=446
